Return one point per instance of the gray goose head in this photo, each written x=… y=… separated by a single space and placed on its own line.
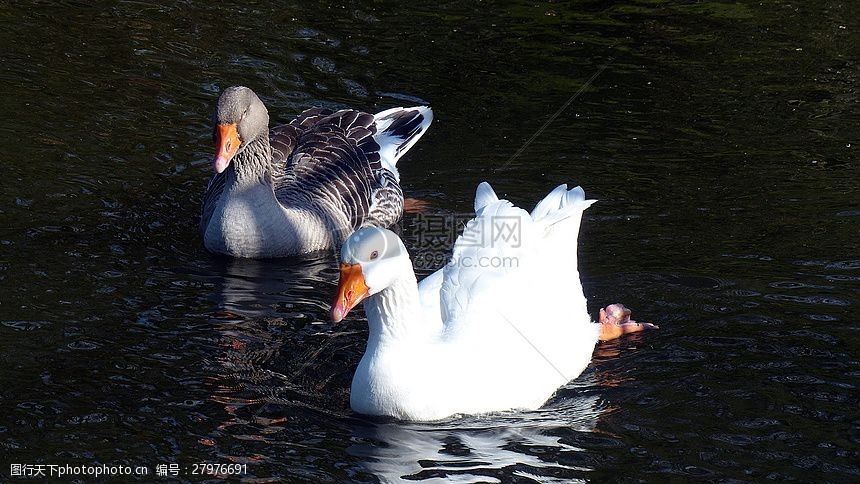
x=240 y=118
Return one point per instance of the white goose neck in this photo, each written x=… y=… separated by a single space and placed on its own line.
x=395 y=312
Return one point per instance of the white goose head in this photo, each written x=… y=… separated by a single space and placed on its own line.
x=240 y=118
x=371 y=260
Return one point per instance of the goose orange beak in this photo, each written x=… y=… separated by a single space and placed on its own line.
x=351 y=291
x=226 y=144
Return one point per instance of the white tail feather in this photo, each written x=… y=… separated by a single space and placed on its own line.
x=397 y=132
x=561 y=204
x=484 y=196
x=550 y=203
x=560 y=214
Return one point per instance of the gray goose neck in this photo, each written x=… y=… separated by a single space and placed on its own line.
x=252 y=165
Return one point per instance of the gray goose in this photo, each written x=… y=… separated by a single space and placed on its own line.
x=303 y=186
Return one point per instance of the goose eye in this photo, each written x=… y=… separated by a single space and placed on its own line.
x=374 y=255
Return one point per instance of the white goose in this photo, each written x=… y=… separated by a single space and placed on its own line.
x=501 y=326
x=306 y=185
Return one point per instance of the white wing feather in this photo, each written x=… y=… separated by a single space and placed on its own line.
x=507 y=259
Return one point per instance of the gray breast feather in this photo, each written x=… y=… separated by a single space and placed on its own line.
x=210 y=199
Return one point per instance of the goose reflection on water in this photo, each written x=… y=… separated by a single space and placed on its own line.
x=270 y=323
x=486 y=448
x=290 y=287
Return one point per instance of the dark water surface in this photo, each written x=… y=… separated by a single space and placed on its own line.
x=721 y=140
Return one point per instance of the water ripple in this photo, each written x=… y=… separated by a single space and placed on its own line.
x=830 y=301
x=25 y=325
x=844 y=265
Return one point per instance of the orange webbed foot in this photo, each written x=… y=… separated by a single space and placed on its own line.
x=615 y=322
x=414 y=205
